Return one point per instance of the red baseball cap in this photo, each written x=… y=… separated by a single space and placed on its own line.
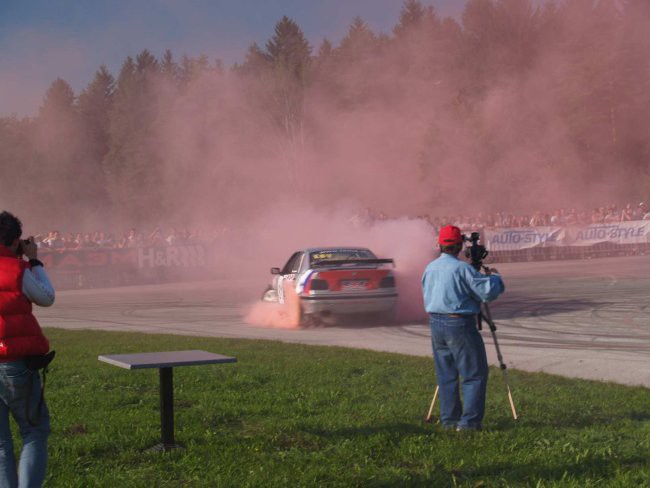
x=450 y=235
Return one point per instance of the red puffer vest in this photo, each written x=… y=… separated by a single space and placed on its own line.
x=20 y=334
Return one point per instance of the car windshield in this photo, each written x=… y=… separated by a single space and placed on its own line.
x=339 y=255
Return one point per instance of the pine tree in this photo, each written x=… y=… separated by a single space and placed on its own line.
x=169 y=68
x=146 y=64
x=359 y=43
x=411 y=17
x=283 y=88
x=132 y=164
x=288 y=49
x=123 y=103
x=59 y=150
x=632 y=89
x=255 y=64
x=356 y=67
x=321 y=67
x=59 y=100
x=325 y=51
x=192 y=69
x=418 y=42
x=94 y=106
x=19 y=164
x=519 y=24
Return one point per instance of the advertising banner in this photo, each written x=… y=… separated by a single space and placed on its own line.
x=97 y=268
x=515 y=239
x=186 y=256
x=634 y=232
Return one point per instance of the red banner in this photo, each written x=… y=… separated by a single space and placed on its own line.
x=94 y=268
x=190 y=256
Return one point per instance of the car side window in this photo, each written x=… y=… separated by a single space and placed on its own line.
x=295 y=265
x=301 y=263
x=294 y=262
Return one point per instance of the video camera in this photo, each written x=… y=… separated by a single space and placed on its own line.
x=475 y=252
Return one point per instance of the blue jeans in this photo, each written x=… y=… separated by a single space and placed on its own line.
x=458 y=350
x=15 y=381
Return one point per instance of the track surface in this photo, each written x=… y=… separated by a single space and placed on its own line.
x=587 y=319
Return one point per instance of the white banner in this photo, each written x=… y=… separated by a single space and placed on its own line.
x=514 y=239
x=523 y=238
x=635 y=232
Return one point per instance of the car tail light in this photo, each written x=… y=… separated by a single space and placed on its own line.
x=387 y=282
x=316 y=284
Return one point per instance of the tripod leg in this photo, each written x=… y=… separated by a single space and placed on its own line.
x=512 y=403
x=429 y=416
x=488 y=318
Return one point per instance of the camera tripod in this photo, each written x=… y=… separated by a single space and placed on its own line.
x=484 y=315
x=477 y=253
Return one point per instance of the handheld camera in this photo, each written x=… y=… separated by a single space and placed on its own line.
x=20 y=250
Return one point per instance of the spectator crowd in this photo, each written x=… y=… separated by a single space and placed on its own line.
x=54 y=239
x=57 y=240
x=560 y=217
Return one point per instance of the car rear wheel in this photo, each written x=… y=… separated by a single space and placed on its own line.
x=309 y=319
x=386 y=318
x=328 y=318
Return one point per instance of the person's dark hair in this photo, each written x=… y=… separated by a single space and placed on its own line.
x=452 y=248
x=10 y=228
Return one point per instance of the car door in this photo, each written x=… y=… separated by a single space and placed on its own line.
x=289 y=273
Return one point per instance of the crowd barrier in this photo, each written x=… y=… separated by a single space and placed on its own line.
x=98 y=268
x=568 y=242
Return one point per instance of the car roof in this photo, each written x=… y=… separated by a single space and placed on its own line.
x=330 y=248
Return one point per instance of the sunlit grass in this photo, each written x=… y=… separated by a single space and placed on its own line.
x=292 y=415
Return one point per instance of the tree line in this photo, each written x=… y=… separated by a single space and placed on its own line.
x=511 y=99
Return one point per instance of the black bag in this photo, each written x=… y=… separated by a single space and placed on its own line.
x=34 y=364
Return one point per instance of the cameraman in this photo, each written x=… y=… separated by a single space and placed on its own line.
x=21 y=284
x=453 y=291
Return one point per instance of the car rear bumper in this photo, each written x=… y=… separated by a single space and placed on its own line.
x=348 y=304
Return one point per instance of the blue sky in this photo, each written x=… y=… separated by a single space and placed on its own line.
x=41 y=40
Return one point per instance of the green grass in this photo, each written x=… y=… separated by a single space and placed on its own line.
x=292 y=415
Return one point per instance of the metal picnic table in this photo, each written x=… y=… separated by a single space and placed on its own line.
x=165 y=361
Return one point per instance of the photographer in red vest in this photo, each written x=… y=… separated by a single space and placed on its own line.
x=23 y=281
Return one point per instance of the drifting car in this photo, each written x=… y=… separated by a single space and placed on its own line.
x=331 y=282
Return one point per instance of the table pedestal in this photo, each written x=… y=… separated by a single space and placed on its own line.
x=166 y=411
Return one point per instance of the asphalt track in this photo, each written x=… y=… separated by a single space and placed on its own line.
x=587 y=319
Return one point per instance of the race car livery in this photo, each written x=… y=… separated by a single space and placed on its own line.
x=335 y=281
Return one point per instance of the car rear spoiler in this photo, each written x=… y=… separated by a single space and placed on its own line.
x=338 y=262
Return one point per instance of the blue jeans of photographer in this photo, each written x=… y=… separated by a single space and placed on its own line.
x=458 y=350
x=15 y=380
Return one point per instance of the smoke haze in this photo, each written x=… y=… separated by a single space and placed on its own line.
x=387 y=132
x=514 y=108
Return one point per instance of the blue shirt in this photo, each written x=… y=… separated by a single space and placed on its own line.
x=450 y=285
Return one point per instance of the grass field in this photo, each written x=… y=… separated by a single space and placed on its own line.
x=292 y=415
